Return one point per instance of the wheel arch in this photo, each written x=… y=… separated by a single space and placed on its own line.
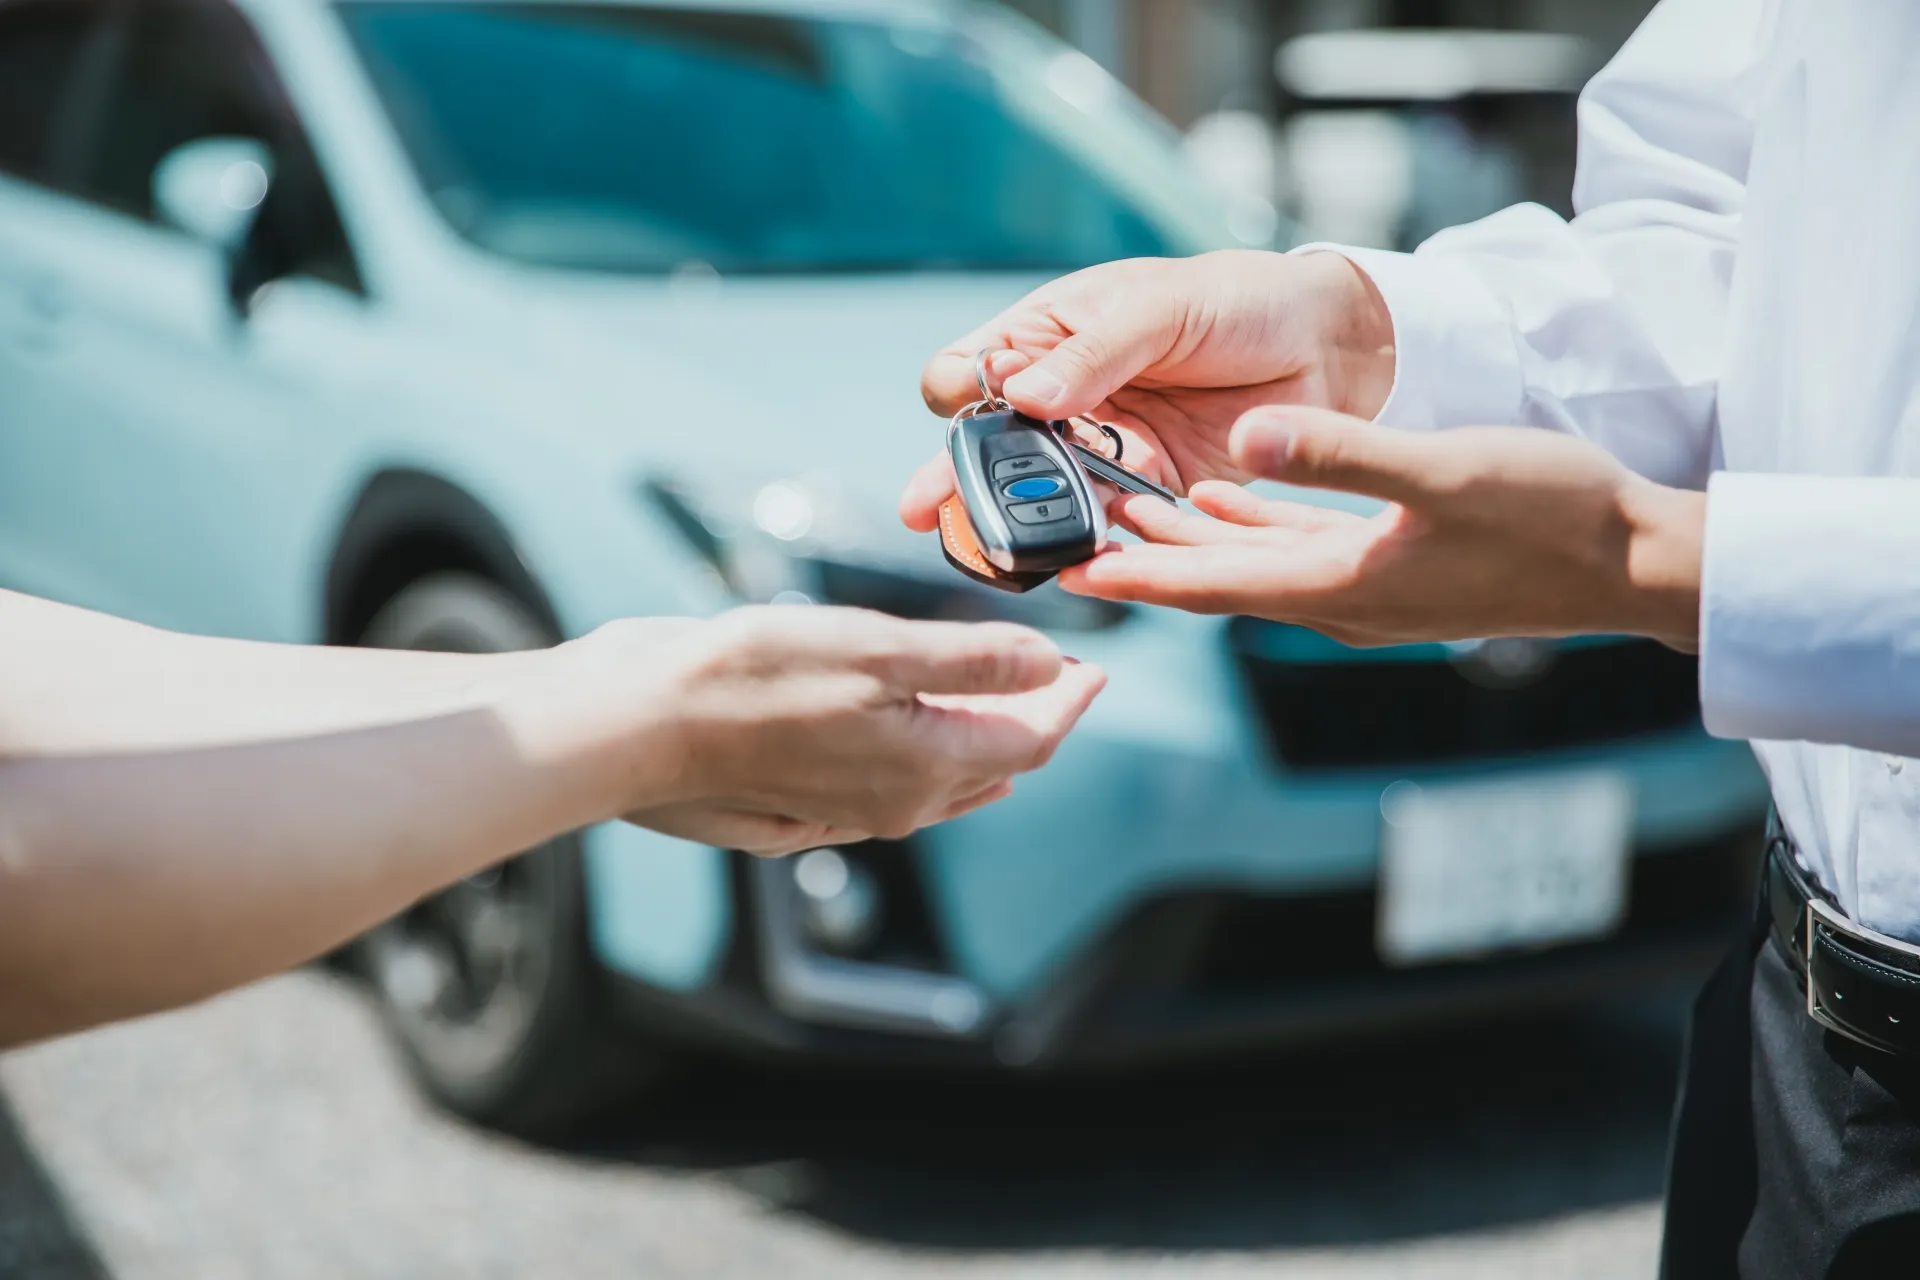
x=407 y=523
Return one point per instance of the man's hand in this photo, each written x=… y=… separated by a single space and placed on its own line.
x=1491 y=531
x=1173 y=351
x=791 y=727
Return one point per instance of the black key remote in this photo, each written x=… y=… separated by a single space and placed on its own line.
x=1026 y=501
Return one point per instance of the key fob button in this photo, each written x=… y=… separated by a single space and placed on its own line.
x=1042 y=512
x=1036 y=487
x=1026 y=464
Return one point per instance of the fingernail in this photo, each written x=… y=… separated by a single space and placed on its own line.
x=1035 y=385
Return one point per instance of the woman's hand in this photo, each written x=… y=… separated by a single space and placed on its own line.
x=774 y=729
x=1172 y=351
x=1490 y=531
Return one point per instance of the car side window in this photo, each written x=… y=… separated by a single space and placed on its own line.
x=42 y=46
x=191 y=69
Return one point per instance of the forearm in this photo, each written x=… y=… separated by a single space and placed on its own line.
x=158 y=844
x=74 y=681
x=136 y=881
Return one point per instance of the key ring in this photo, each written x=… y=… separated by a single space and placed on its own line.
x=1113 y=435
x=987 y=398
x=989 y=402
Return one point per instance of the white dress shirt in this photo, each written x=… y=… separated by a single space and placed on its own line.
x=1737 y=297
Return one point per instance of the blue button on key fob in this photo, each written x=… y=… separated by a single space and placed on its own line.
x=1035 y=487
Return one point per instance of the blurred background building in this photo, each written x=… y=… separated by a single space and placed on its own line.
x=1442 y=111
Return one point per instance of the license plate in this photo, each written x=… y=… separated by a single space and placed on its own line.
x=1468 y=869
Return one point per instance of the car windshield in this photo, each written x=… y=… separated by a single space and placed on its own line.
x=648 y=140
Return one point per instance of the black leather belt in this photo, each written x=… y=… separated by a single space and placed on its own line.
x=1861 y=984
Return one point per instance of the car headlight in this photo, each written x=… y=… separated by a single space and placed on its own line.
x=791 y=542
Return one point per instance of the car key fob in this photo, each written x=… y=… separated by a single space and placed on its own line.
x=1022 y=509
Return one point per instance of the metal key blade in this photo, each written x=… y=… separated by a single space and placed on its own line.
x=1104 y=468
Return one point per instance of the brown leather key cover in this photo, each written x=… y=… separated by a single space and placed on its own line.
x=962 y=547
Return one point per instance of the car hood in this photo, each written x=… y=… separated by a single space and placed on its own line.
x=771 y=375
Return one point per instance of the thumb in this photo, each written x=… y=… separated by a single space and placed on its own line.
x=1320 y=449
x=1090 y=364
x=957 y=657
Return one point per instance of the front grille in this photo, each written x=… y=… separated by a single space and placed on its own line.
x=1363 y=710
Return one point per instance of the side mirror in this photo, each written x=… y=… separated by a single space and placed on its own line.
x=211 y=188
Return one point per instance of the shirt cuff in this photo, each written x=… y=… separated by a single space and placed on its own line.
x=1455 y=360
x=1809 y=620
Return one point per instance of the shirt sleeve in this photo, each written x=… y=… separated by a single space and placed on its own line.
x=1610 y=325
x=1809 y=618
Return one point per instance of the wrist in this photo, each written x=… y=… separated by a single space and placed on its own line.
x=605 y=719
x=1666 y=538
x=1356 y=334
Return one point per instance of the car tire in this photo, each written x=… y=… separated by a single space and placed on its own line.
x=489 y=987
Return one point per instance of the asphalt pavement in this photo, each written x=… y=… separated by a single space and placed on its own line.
x=270 y=1134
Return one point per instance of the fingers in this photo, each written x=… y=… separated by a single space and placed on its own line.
x=1177 y=577
x=790 y=835
x=1234 y=577
x=948 y=383
x=986 y=796
x=1320 y=449
x=1236 y=505
x=722 y=827
x=905 y=657
x=969 y=746
x=1006 y=735
x=931 y=485
x=1090 y=364
x=962 y=658
x=1157 y=521
x=774 y=835
x=1229 y=514
x=955 y=753
x=852 y=719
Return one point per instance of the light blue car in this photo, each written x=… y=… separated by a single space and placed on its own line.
x=473 y=325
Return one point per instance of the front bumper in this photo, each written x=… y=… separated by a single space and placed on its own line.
x=1193 y=973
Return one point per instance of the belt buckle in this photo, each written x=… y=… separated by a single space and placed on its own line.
x=1819 y=912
